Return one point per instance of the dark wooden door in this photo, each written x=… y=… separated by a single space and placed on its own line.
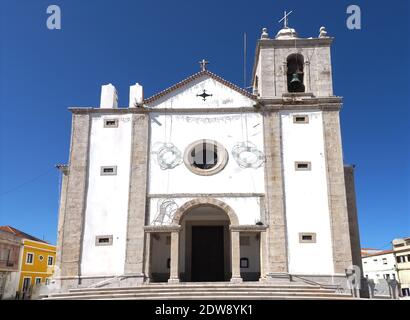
x=207 y=253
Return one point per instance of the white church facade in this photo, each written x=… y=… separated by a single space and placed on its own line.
x=207 y=182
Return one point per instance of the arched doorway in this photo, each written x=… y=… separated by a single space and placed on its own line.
x=205 y=245
x=205 y=240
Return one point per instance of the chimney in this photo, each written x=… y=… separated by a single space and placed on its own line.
x=109 y=97
x=136 y=95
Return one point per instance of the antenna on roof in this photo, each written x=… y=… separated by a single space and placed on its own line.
x=244 y=60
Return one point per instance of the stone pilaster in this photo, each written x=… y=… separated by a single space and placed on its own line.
x=75 y=192
x=263 y=254
x=354 y=227
x=61 y=213
x=276 y=233
x=174 y=267
x=235 y=256
x=147 y=267
x=134 y=260
x=342 y=255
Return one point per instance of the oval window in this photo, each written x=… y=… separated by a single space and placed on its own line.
x=205 y=157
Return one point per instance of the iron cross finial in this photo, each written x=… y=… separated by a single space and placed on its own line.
x=285 y=19
x=204 y=95
x=203 y=64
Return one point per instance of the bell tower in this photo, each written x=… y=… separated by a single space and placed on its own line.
x=306 y=199
x=290 y=64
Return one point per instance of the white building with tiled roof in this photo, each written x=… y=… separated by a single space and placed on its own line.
x=379 y=264
x=207 y=182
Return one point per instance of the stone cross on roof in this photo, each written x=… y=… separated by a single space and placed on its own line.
x=285 y=19
x=203 y=64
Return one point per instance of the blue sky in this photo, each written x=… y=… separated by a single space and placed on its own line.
x=158 y=43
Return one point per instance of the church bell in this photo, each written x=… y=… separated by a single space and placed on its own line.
x=295 y=79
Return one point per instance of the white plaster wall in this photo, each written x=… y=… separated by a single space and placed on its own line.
x=307 y=207
x=247 y=209
x=107 y=197
x=11 y=284
x=374 y=267
x=186 y=96
x=184 y=129
x=251 y=252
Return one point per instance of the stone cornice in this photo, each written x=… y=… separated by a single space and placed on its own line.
x=248 y=228
x=296 y=102
x=202 y=195
x=287 y=102
x=299 y=43
x=163 y=228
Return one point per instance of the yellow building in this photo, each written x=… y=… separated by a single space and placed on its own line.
x=37 y=264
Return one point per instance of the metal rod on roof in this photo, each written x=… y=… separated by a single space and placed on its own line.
x=244 y=60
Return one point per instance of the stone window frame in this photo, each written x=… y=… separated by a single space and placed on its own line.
x=35 y=280
x=98 y=243
x=302 y=234
x=309 y=165
x=115 y=125
x=48 y=261
x=223 y=158
x=114 y=173
x=305 y=121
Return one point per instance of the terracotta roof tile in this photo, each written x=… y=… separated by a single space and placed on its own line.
x=20 y=234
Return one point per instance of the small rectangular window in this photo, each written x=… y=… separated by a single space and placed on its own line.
x=303 y=166
x=109 y=171
x=5 y=255
x=50 y=261
x=29 y=258
x=110 y=123
x=300 y=119
x=244 y=263
x=103 y=240
x=307 y=237
x=38 y=280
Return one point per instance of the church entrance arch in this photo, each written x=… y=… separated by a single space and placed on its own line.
x=205 y=241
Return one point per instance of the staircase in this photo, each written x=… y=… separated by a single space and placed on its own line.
x=203 y=291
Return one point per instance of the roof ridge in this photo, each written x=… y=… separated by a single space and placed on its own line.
x=21 y=234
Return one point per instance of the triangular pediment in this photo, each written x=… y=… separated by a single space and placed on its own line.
x=202 y=90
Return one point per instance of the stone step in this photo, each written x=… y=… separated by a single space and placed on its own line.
x=205 y=294
x=183 y=286
x=172 y=290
